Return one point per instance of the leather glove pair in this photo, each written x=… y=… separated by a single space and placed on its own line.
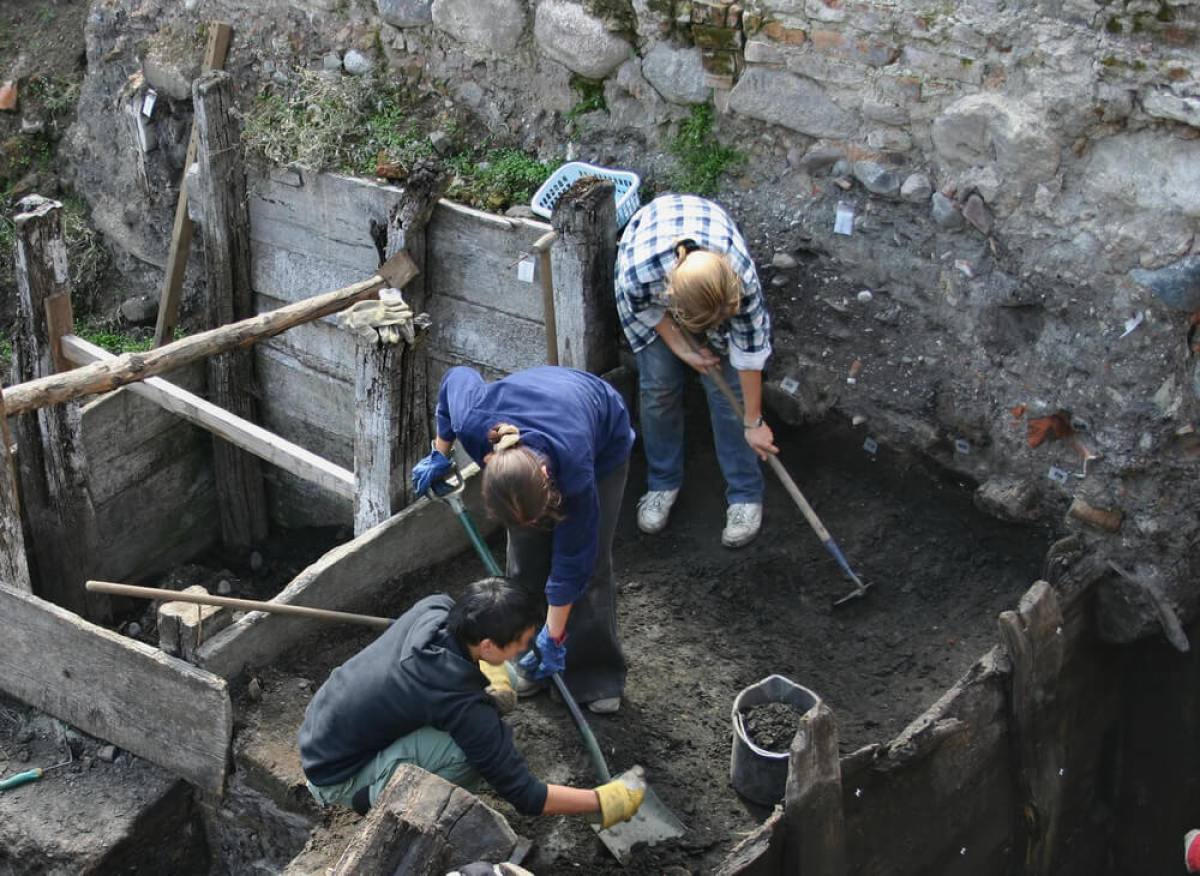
x=620 y=798
x=499 y=688
x=547 y=657
x=429 y=472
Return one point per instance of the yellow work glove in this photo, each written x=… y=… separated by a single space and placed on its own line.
x=620 y=798
x=499 y=687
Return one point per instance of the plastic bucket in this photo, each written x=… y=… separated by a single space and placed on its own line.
x=756 y=773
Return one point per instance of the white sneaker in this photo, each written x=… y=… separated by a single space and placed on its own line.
x=605 y=706
x=653 y=510
x=742 y=522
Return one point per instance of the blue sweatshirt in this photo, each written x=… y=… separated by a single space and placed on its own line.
x=580 y=426
x=414 y=675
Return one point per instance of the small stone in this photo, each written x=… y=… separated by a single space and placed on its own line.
x=8 y=96
x=107 y=753
x=976 y=212
x=224 y=587
x=864 y=296
x=254 y=690
x=133 y=629
x=916 y=188
x=357 y=64
x=945 y=213
x=256 y=561
x=331 y=61
x=441 y=143
x=783 y=262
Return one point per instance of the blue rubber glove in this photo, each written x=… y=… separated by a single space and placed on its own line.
x=429 y=473
x=547 y=656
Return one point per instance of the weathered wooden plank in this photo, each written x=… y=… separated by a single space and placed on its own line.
x=815 y=834
x=480 y=336
x=349 y=577
x=246 y=435
x=14 y=567
x=52 y=462
x=314 y=412
x=285 y=276
x=219 y=33
x=221 y=185
x=118 y=689
x=423 y=825
x=583 y=260
x=377 y=407
x=1033 y=636
x=473 y=261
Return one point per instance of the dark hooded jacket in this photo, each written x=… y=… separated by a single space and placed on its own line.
x=414 y=675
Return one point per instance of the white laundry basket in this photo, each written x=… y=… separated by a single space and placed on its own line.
x=626 y=182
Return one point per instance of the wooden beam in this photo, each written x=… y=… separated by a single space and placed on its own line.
x=221 y=184
x=52 y=464
x=117 y=689
x=14 y=566
x=585 y=218
x=181 y=234
x=60 y=320
x=246 y=435
x=130 y=367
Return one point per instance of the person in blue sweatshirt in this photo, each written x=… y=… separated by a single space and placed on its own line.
x=554 y=445
x=418 y=694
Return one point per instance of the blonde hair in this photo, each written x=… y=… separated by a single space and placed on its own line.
x=517 y=491
x=703 y=288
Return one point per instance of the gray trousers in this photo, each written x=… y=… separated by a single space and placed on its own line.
x=595 y=663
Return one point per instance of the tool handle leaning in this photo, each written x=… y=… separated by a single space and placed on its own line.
x=21 y=778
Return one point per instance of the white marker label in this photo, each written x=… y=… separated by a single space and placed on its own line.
x=525 y=269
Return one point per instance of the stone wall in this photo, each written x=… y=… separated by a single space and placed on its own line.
x=1019 y=178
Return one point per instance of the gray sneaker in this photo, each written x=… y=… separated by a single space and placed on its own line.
x=653 y=509
x=522 y=683
x=742 y=522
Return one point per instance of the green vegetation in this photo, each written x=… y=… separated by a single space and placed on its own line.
x=351 y=124
x=104 y=333
x=702 y=159
x=500 y=178
x=591 y=96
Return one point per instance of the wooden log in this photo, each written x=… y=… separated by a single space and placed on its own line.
x=219 y=34
x=14 y=568
x=814 y=835
x=52 y=462
x=1033 y=638
x=406 y=232
x=242 y=496
x=117 y=689
x=104 y=376
x=585 y=219
x=249 y=436
x=423 y=825
x=377 y=406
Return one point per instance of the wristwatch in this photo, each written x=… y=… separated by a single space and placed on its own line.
x=753 y=425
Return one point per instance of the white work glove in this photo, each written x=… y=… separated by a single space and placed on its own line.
x=386 y=320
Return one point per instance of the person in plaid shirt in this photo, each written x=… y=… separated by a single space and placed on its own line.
x=682 y=265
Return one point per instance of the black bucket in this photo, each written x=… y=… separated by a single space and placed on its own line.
x=756 y=773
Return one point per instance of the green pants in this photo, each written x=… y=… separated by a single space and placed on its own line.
x=430 y=749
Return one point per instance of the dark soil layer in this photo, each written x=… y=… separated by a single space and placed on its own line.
x=701 y=622
x=771 y=726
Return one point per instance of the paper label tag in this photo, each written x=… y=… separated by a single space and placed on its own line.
x=1057 y=475
x=148 y=104
x=870 y=446
x=963 y=446
x=843 y=222
x=525 y=269
x=789 y=385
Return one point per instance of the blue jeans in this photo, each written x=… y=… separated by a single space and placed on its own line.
x=662 y=377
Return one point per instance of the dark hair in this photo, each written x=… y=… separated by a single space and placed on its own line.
x=496 y=609
x=516 y=489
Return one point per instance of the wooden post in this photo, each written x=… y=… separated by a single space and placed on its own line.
x=181 y=235
x=583 y=258
x=542 y=247
x=814 y=824
x=225 y=227
x=1033 y=636
x=52 y=463
x=14 y=568
x=391 y=386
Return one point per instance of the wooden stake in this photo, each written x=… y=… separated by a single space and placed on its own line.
x=14 y=568
x=181 y=234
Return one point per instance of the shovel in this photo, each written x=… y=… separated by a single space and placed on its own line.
x=653 y=822
x=789 y=485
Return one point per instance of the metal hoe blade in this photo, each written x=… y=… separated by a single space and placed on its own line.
x=653 y=823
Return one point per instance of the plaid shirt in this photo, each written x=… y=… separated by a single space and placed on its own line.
x=646 y=257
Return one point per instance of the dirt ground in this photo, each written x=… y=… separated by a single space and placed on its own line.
x=701 y=622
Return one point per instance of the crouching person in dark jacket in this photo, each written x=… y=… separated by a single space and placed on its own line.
x=418 y=694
